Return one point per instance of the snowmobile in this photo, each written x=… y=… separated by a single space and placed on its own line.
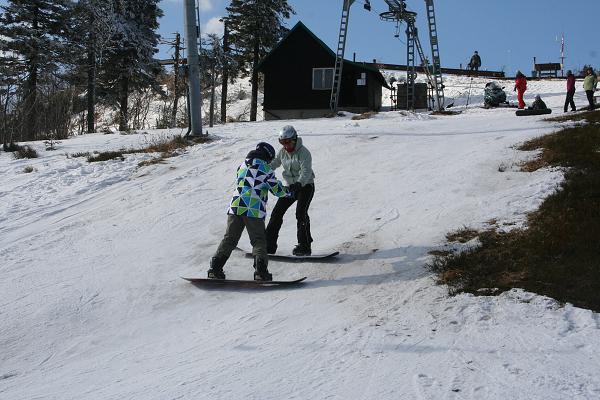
x=494 y=95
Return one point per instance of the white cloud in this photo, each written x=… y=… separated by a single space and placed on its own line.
x=214 y=25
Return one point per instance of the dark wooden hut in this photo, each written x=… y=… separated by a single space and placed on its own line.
x=298 y=76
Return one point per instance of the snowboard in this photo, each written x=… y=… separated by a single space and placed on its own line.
x=522 y=113
x=291 y=257
x=242 y=283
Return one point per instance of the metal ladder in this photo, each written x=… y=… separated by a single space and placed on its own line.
x=339 y=58
x=411 y=72
x=435 y=54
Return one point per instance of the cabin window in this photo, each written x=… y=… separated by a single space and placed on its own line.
x=322 y=78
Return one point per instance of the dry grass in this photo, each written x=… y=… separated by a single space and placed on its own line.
x=365 y=115
x=166 y=147
x=558 y=253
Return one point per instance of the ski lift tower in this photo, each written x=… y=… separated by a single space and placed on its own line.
x=398 y=13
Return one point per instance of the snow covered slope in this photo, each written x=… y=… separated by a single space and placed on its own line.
x=92 y=306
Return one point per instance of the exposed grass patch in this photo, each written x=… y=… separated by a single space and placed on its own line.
x=365 y=115
x=445 y=112
x=80 y=154
x=105 y=156
x=558 y=253
x=166 y=147
x=25 y=152
x=29 y=169
x=152 y=161
x=462 y=235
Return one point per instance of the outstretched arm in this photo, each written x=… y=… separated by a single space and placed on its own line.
x=276 y=187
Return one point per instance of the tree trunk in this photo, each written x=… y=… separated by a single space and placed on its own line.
x=91 y=85
x=225 y=75
x=176 y=82
x=31 y=126
x=30 y=123
x=254 y=100
x=123 y=116
x=212 y=98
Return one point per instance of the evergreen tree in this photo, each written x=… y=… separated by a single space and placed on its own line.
x=95 y=24
x=255 y=27
x=128 y=62
x=34 y=34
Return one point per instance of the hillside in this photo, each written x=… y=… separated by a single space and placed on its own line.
x=93 y=306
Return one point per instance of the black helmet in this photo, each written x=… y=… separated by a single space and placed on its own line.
x=266 y=150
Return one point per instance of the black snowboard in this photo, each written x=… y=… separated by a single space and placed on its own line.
x=291 y=257
x=522 y=113
x=241 y=283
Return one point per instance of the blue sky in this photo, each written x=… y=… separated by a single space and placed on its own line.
x=507 y=33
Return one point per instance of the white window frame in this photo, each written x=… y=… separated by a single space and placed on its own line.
x=323 y=80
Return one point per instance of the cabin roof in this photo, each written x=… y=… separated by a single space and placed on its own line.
x=301 y=26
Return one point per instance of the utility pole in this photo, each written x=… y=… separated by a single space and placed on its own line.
x=192 y=33
x=562 y=55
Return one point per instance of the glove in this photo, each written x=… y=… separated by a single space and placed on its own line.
x=295 y=187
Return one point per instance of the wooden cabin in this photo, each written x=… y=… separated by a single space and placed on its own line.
x=298 y=77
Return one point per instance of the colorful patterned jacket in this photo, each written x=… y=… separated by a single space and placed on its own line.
x=255 y=179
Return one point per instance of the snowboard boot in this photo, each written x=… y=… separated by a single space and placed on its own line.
x=261 y=273
x=302 y=250
x=271 y=248
x=216 y=268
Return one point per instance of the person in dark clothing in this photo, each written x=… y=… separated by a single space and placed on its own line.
x=570 y=92
x=538 y=104
x=298 y=174
x=248 y=209
x=475 y=62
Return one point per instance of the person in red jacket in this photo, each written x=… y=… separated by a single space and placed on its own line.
x=520 y=88
x=570 y=92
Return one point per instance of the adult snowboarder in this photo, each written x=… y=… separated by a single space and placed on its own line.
x=520 y=88
x=590 y=83
x=298 y=174
x=475 y=62
x=248 y=209
x=570 y=92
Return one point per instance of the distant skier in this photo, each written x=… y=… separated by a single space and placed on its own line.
x=475 y=62
x=590 y=84
x=538 y=104
x=298 y=174
x=248 y=209
x=520 y=88
x=570 y=92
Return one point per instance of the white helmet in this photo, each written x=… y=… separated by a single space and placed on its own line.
x=288 y=132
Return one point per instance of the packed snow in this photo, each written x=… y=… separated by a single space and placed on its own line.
x=93 y=306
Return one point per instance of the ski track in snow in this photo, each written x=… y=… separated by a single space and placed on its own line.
x=93 y=307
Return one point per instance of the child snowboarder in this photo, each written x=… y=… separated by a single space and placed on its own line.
x=520 y=88
x=248 y=209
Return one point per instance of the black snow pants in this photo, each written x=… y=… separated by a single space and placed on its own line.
x=590 y=97
x=569 y=100
x=304 y=197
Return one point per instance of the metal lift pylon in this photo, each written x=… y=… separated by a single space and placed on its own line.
x=397 y=12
